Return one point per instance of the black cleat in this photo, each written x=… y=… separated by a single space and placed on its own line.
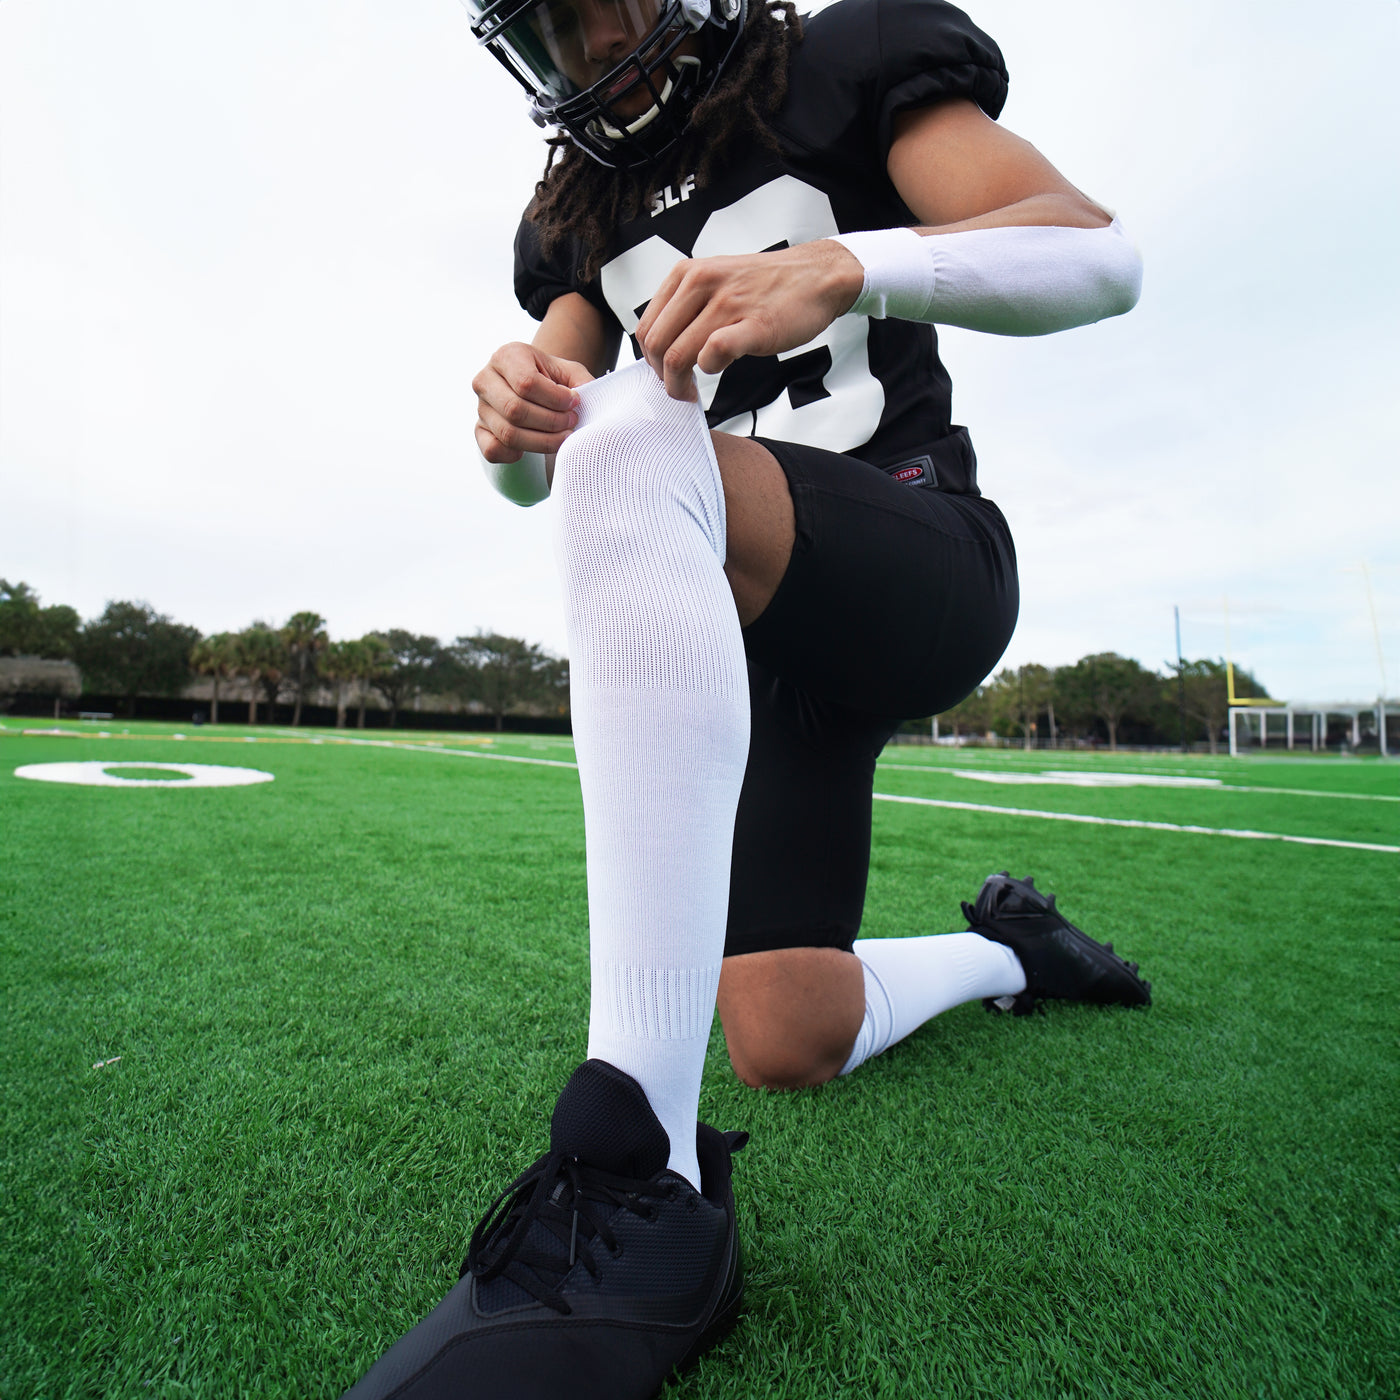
x=593 y=1276
x=1061 y=961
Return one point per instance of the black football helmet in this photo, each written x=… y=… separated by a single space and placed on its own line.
x=620 y=76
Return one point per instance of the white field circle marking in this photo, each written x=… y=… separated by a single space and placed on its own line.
x=202 y=775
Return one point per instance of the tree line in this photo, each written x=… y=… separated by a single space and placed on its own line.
x=131 y=650
x=1104 y=697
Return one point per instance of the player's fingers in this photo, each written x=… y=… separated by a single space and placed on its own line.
x=677 y=368
x=673 y=359
x=491 y=449
x=523 y=408
x=508 y=440
x=684 y=310
x=680 y=384
x=726 y=345
x=660 y=300
x=570 y=372
x=521 y=413
x=536 y=386
x=531 y=375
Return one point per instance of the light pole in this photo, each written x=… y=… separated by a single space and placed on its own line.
x=1180 y=682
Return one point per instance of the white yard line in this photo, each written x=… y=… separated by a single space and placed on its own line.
x=1309 y=792
x=1019 y=777
x=1241 y=835
x=453 y=753
x=934 y=802
x=925 y=801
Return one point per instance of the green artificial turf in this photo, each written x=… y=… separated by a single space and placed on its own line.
x=344 y=1001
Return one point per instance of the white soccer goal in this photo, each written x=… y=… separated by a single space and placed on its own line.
x=1296 y=724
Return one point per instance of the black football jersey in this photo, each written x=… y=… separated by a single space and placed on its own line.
x=875 y=389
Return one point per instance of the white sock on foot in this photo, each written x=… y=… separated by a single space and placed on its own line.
x=909 y=980
x=661 y=726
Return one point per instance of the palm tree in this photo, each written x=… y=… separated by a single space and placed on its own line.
x=247 y=668
x=216 y=656
x=373 y=660
x=304 y=636
x=261 y=658
x=340 y=664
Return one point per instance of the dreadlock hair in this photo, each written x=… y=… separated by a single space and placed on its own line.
x=582 y=197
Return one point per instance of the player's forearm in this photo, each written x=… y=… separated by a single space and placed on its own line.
x=574 y=329
x=1013 y=271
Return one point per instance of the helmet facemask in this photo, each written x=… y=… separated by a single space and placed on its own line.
x=620 y=76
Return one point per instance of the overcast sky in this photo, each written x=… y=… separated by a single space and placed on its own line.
x=252 y=253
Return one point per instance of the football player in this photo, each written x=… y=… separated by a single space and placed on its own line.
x=773 y=549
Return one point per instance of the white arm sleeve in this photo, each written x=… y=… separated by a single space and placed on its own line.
x=1026 y=280
x=524 y=482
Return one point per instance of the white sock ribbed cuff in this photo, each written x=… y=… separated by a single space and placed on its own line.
x=656 y=1003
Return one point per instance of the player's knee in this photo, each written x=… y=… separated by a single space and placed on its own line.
x=600 y=462
x=605 y=509
x=775 y=1066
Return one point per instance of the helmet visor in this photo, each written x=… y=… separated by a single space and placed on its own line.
x=564 y=47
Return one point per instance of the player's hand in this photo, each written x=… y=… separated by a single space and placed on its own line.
x=526 y=402
x=710 y=311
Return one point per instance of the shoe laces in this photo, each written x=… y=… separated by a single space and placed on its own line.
x=574 y=1203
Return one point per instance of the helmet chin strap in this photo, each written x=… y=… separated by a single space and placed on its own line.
x=650 y=115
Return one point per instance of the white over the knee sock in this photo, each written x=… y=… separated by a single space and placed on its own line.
x=909 y=980
x=661 y=726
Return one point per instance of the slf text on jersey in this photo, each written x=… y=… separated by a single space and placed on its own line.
x=667 y=198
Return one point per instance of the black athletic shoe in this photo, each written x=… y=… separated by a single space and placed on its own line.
x=1060 y=960
x=593 y=1276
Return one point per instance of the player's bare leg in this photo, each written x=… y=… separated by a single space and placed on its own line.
x=761 y=527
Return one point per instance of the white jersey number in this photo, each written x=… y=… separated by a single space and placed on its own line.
x=783 y=211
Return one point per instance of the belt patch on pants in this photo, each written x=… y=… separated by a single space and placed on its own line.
x=917 y=471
